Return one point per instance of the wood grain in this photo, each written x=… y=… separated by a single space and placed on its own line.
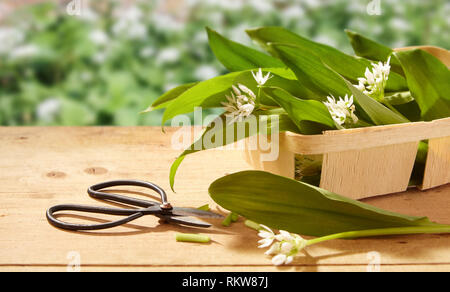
x=437 y=168
x=41 y=167
x=369 y=172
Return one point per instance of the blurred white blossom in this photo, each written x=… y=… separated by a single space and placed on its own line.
x=99 y=37
x=130 y=24
x=147 y=52
x=10 y=38
x=168 y=55
x=25 y=51
x=48 y=109
x=206 y=72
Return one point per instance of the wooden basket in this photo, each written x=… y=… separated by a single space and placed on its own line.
x=365 y=162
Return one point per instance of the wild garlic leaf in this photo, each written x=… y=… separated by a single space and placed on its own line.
x=220 y=133
x=348 y=66
x=199 y=94
x=429 y=82
x=302 y=110
x=237 y=57
x=310 y=70
x=369 y=49
x=166 y=98
x=287 y=204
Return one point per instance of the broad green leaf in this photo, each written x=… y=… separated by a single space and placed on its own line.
x=166 y=98
x=310 y=70
x=302 y=110
x=429 y=82
x=220 y=133
x=377 y=112
x=297 y=207
x=237 y=57
x=198 y=94
x=372 y=50
x=348 y=66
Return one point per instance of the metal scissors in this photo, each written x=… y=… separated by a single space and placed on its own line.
x=163 y=209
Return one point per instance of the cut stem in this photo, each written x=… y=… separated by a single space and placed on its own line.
x=188 y=237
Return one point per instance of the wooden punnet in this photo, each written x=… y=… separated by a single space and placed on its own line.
x=365 y=162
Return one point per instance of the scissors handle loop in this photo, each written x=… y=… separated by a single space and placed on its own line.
x=149 y=207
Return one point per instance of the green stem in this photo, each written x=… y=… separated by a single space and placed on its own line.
x=258 y=97
x=384 y=231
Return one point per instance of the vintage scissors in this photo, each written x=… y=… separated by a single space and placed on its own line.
x=163 y=210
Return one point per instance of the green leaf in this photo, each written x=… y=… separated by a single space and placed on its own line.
x=429 y=82
x=310 y=70
x=297 y=207
x=377 y=112
x=199 y=94
x=166 y=98
x=220 y=133
x=348 y=66
x=372 y=50
x=302 y=110
x=237 y=57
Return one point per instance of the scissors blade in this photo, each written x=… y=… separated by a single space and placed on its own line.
x=195 y=212
x=189 y=221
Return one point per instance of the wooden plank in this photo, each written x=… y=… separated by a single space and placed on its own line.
x=362 y=138
x=437 y=167
x=369 y=172
x=41 y=167
x=209 y=269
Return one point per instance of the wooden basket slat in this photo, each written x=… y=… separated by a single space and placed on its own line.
x=369 y=172
x=437 y=167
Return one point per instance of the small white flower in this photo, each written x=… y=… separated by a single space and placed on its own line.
x=241 y=103
x=286 y=247
x=374 y=82
x=260 y=78
x=342 y=111
x=282 y=259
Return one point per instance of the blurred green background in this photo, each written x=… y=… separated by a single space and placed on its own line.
x=106 y=65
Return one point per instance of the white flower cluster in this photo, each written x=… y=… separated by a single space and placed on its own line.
x=240 y=104
x=375 y=81
x=285 y=248
x=342 y=111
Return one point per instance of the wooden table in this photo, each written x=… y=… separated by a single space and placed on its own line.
x=41 y=167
